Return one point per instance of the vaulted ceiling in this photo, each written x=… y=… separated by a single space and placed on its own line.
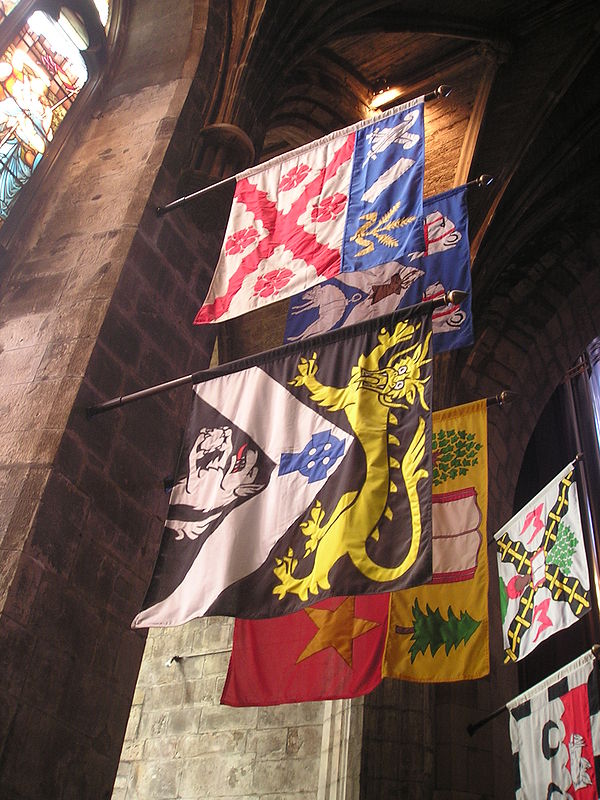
x=524 y=105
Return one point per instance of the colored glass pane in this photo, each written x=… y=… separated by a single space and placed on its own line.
x=103 y=7
x=6 y=6
x=41 y=74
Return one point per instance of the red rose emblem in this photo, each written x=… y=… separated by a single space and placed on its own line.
x=329 y=208
x=240 y=240
x=294 y=177
x=271 y=282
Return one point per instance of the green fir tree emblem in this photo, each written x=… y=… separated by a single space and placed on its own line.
x=454 y=453
x=431 y=630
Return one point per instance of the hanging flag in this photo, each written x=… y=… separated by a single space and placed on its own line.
x=428 y=269
x=337 y=648
x=326 y=652
x=439 y=632
x=306 y=475
x=542 y=568
x=349 y=201
x=555 y=734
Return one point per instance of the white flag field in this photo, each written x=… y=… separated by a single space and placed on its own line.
x=542 y=567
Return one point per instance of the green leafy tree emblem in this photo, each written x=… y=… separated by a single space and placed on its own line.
x=431 y=630
x=454 y=453
x=563 y=549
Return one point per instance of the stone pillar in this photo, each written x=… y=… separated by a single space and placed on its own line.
x=88 y=307
x=180 y=741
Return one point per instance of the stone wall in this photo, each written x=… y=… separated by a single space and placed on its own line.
x=181 y=743
x=97 y=299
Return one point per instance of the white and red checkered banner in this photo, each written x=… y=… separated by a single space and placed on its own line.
x=555 y=734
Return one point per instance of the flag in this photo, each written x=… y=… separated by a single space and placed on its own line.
x=439 y=632
x=346 y=202
x=437 y=260
x=542 y=568
x=305 y=475
x=329 y=651
x=555 y=734
x=336 y=648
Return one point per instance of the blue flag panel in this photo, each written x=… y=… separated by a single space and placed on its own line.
x=437 y=260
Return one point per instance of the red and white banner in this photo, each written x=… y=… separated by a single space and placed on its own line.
x=554 y=733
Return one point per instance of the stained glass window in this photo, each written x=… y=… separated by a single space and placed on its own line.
x=103 y=7
x=6 y=6
x=42 y=71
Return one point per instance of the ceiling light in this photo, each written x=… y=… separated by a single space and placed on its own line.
x=385 y=96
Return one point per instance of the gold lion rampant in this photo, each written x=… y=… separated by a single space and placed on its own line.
x=368 y=399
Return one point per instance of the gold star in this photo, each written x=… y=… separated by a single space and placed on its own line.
x=337 y=629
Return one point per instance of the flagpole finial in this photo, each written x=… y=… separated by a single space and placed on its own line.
x=505 y=397
x=455 y=296
x=485 y=180
x=443 y=90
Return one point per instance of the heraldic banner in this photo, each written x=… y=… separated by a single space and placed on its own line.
x=437 y=259
x=326 y=652
x=349 y=201
x=439 y=632
x=555 y=734
x=305 y=475
x=336 y=648
x=542 y=568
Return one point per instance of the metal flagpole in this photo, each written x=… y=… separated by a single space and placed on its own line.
x=474 y=726
x=442 y=91
x=454 y=296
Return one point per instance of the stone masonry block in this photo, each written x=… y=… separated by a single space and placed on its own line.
x=160 y=748
x=153 y=671
x=23 y=589
x=23 y=331
x=132 y=751
x=203 y=692
x=268 y=744
x=215 y=636
x=165 y=696
x=19 y=365
x=57 y=530
x=133 y=723
x=62 y=618
x=223 y=718
x=178 y=640
x=68 y=359
x=152 y=723
x=9 y=566
x=218 y=775
x=216 y=663
x=192 y=746
x=295 y=714
x=16 y=649
x=156 y=779
x=304 y=740
x=285 y=776
x=34 y=296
